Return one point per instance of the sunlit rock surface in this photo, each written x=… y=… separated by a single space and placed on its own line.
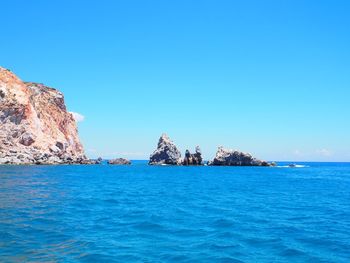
x=227 y=157
x=166 y=153
x=35 y=126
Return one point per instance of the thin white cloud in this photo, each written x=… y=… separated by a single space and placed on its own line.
x=297 y=153
x=77 y=116
x=126 y=154
x=324 y=152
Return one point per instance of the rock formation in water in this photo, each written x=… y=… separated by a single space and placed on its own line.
x=193 y=158
x=166 y=153
x=35 y=126
x=99 y=160
x=226 y=157
x=119 y=161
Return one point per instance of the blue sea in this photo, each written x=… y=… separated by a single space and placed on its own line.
x=142 y=213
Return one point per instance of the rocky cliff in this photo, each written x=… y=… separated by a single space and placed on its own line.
x=35 y=126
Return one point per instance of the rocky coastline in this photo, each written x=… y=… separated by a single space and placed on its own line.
x=36 y=128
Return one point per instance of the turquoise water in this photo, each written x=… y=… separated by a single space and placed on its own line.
x=143 y=213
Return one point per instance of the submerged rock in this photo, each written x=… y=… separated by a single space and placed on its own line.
x=226 y=157
x=119 y=161
x=35 y=126
x=166 y=153
x=193 y=159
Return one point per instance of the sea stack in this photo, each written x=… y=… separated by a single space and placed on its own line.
x=35 y=126
x=166 y=153
x=226 y=157
x=193 y=159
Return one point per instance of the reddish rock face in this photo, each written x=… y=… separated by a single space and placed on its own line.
x=35 y=126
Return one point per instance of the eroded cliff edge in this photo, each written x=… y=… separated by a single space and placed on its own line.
x=35 y=126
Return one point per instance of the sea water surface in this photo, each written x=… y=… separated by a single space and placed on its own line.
x=142 y=213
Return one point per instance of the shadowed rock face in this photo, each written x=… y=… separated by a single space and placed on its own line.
x=119 y=161
x=193 y=159
x=166 y=153
x=35 y=127
x=226 y=157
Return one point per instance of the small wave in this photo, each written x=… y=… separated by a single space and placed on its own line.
x=293 y=166
x=148 y=226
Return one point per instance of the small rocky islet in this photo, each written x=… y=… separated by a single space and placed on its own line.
x=36 y=128
x=119 y=161
x=168 y=154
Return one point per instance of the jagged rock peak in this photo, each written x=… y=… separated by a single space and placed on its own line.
x=35 y=127
x=227 y=157
x=193 y=159
x=166 y=152
x=164 y=139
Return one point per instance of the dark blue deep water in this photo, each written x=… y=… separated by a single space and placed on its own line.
x=143 y=213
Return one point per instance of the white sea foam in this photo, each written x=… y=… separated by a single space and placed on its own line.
x=294 y=166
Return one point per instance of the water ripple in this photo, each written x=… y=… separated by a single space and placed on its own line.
x=174 y=214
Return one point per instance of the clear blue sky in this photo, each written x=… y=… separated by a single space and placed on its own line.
x=267 y=77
